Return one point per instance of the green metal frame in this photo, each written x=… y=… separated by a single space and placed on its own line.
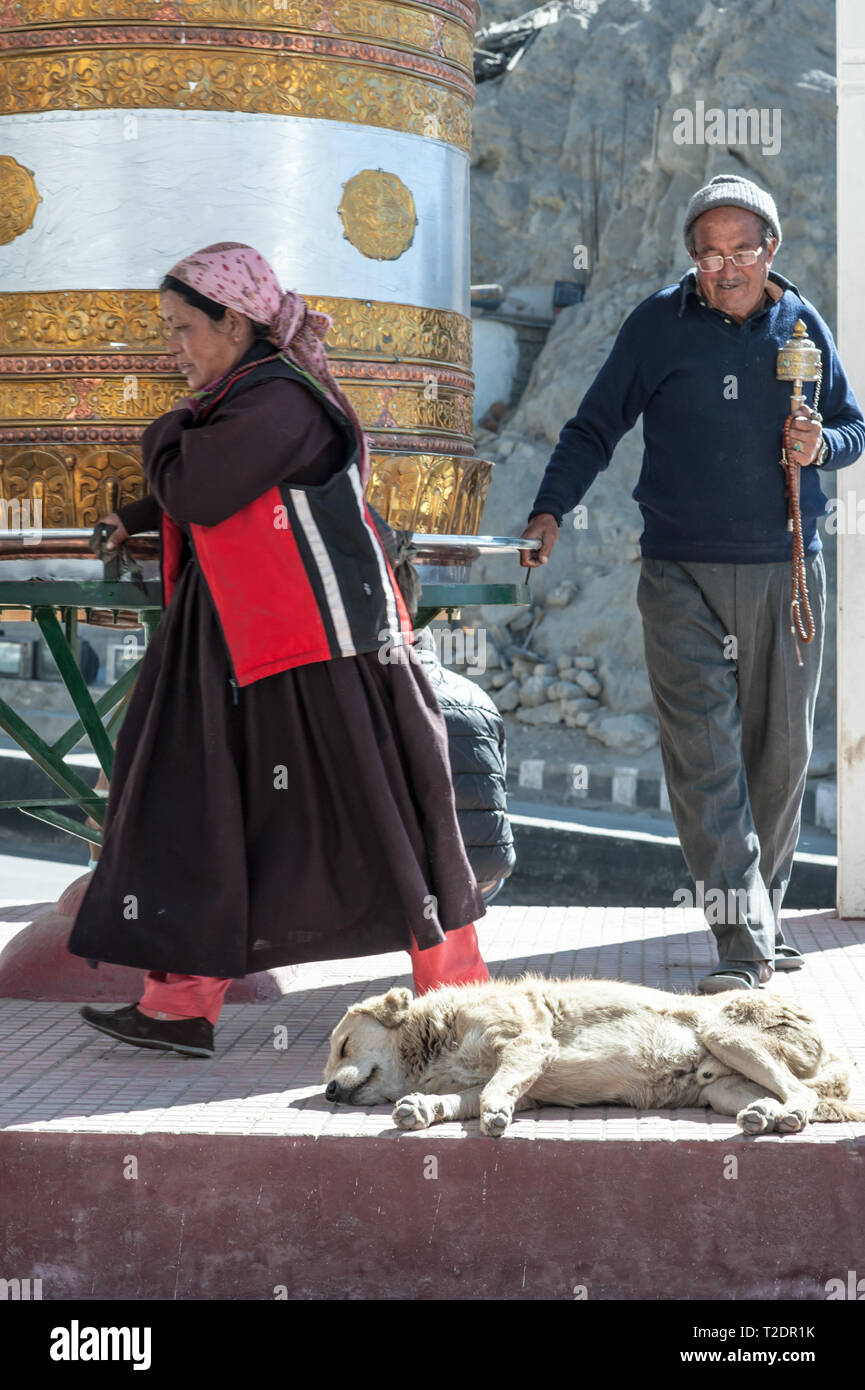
x=98 y=719
x=101 y=719
x=449 y=598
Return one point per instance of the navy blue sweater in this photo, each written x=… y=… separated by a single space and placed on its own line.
x=711 y=486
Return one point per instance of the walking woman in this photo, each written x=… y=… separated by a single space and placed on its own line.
x=280 y=793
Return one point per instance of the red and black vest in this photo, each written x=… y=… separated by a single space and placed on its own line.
x=299 y=575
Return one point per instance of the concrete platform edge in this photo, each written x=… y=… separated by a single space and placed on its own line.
x=197 y=1217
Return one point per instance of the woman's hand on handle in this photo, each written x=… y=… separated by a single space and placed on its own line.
x=546 y=529
x=117 y=536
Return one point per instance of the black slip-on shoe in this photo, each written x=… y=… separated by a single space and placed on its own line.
x=193 y=1037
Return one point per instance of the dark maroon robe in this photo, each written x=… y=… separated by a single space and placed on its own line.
x=311 y=819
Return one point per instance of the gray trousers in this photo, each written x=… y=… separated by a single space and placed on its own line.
x=736 y=719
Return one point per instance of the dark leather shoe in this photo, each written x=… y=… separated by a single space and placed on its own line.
x=193 y=1037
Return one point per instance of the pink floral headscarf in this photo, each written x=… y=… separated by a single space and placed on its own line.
x=238 y=277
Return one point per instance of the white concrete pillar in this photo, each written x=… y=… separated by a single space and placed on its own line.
x=625 y=786
x=851 y=545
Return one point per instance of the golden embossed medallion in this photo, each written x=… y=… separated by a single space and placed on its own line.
x=378 y=214
x=18 y=199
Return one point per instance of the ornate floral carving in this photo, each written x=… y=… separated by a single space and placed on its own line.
x=81 y=320
x=96 y=320
x=404 y=407
x=430 y=99
x=133 y=397
x=449 y=34
x=77 y=482
x=80 y=482
x=428 y=492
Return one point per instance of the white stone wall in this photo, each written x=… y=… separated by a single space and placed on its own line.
x=495 y=353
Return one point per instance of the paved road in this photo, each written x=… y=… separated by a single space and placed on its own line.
x=25 y=879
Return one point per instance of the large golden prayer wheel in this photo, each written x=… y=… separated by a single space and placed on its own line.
x=332 y=135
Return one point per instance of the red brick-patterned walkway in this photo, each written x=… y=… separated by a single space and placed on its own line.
x=132 y=1174
x=56 y=1074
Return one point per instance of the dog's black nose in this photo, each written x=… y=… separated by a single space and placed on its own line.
x=332 y=1092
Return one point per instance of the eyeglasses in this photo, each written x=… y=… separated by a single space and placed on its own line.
x=741 y=258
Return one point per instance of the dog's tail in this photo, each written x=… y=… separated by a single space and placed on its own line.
x=832 y=1081
x=836 y=1111
x=832 y=1084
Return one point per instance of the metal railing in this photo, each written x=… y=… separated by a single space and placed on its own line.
x=72 y=542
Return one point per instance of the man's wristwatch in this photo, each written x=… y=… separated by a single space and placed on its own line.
x=824 y=452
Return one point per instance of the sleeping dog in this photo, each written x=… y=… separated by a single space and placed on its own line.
x=508 y=1045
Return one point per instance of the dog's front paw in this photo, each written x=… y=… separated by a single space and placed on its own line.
x=414 y=1112
x=792 y=1121
x=495 y=1120
x=758 y=1117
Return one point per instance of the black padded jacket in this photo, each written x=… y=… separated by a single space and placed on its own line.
x=476 y=743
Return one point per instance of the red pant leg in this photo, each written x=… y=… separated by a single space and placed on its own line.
x=192 y=996
x=457 y=961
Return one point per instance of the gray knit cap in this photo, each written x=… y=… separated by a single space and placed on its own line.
x=731 y=191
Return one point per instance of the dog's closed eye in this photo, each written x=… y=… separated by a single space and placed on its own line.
x=344 y=1048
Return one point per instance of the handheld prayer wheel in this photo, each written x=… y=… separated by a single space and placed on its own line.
x=331 y=135
x=799 y=360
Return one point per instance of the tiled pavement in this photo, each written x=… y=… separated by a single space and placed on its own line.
x=266 y=1079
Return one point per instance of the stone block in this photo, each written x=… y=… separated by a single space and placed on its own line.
x=539 y=714
x=508 y=697
x=534 y=691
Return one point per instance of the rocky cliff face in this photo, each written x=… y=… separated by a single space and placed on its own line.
x=577 y=145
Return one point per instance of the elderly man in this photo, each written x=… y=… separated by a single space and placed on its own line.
x=733 y=686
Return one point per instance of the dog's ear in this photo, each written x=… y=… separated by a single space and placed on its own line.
x=391 y=1009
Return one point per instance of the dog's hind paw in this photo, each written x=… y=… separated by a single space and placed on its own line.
x=414 y=1112
x=495 y=1122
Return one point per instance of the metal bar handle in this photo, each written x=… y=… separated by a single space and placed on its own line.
x=69 y=541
